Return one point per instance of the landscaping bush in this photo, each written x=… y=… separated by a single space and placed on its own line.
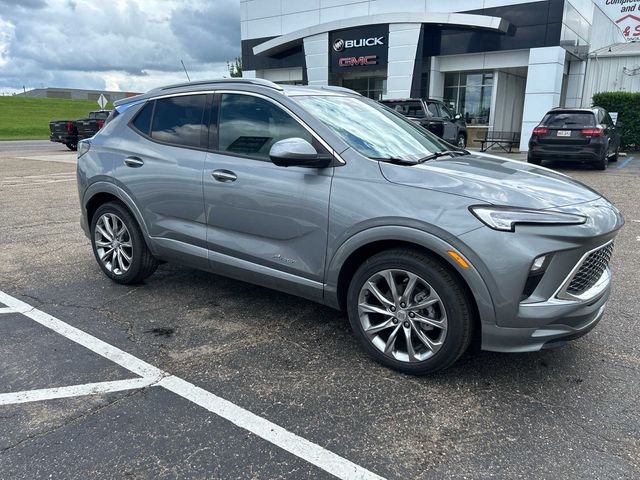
x=627 y=104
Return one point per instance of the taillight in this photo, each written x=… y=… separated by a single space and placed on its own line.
x=69 y=127
x=540 y=131
x=591 y=132
x=100 y=123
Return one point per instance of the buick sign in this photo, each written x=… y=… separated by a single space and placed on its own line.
x=340 y=44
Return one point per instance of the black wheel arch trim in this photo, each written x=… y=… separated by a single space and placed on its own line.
x=420 y=238
x=102 y=187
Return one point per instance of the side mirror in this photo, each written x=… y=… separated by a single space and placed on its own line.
x=292 y=152
x=458 y=116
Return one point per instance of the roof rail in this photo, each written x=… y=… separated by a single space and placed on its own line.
x=250 y=81
x=339 y=89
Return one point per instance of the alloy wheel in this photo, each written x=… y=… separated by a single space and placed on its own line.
x=402 y=315
x=113 y=243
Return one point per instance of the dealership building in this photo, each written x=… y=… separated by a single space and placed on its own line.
x=501 y=63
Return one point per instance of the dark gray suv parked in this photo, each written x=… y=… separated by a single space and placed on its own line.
x=325 y=194
x=435 y=116
x=584 y=134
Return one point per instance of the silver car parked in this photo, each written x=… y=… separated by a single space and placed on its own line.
x=330 y=196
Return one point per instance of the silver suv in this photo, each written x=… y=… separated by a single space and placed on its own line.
x=325 y=194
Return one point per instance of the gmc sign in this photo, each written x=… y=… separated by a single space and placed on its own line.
x=355 y=61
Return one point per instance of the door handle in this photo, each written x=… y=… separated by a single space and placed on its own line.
x=133 y=162
x=224 y=175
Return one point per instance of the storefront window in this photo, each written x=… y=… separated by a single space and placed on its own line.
x=470 y=95
x=372 y=87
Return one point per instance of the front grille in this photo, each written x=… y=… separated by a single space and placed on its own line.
x=591 y=270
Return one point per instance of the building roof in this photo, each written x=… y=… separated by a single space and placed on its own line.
x=472 y=21
x=625 y=49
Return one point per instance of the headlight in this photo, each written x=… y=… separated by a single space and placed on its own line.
x=506 y=218
x=83 y=147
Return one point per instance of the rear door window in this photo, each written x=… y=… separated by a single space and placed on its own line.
x=408 y=109
x=568 y=120
x=179 y=120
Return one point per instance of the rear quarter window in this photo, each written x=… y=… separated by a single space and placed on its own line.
x=142 y=120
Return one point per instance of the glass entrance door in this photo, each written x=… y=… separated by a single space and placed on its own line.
x=372 y=87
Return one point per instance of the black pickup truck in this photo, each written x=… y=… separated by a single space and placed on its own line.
x=70 y=132
x=88 y=127
x=64 y=131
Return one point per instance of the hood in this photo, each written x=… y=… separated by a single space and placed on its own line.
x=494 y=180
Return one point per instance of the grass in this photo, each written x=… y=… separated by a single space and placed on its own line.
x=25 y=118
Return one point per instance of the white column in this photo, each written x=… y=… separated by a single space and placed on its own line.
x=575 y=83
x=316 y=54
x=403 y=45
x=544 y=86
x=436 y=80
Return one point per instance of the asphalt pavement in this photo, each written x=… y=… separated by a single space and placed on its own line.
x=290 y=369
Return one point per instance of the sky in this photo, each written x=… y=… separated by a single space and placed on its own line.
x=129 y=45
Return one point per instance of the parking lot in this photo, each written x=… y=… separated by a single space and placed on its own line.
x=192 y=375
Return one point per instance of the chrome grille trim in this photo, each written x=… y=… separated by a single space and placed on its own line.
x=589 y=277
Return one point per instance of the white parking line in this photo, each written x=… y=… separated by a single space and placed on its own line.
x=261 y=427
x=73 y=391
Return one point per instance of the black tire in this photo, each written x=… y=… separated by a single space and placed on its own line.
x=455 y=301
x=143 y=263
x=533 y=160
x=616 y=155
x=72 y=146
x=602 y=162
x=461 y=141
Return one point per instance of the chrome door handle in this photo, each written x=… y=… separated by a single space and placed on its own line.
x=133 y=162
x=224 y=176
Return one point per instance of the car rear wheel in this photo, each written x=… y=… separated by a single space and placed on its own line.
x=602 y=162
x=461 y=141
x=72 y=146
x=118 y=245
x=409 y=311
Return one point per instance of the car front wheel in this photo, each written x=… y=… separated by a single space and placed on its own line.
x=119 y=246
x=461 y=141
x=409 y=311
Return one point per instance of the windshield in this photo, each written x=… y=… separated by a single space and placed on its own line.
x=372 y=129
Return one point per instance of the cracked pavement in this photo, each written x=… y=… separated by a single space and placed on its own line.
x=572 y=412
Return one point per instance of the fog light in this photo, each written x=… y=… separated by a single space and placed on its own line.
x=536 y=272
x=538 y=263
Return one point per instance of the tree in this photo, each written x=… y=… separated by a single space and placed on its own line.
x=235 y=68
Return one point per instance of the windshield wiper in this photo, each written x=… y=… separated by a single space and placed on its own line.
x=396 y=160
x=435 y=155
x=403 y=161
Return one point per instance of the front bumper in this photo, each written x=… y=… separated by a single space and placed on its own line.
x=529 y=320
x=567 y=321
